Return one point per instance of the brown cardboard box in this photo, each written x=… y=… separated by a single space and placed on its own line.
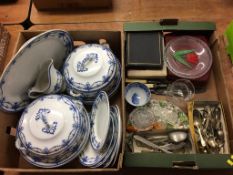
x=10 y=159
x=71 y=4
x=217 y=90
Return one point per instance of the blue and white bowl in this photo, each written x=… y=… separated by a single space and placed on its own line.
x=52 y=131
x=137 y=94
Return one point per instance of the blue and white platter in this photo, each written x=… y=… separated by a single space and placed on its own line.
x=108 y=155
x=22 y=70
x=114 y=156
x=109 y=152
x=100 y=121
x=90 y=157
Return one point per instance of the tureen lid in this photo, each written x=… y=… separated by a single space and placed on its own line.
x=49 y=124
x=89 y=67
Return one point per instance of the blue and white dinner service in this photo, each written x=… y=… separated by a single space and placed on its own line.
x=55 y=127
x=92 y=157
x=91 y=68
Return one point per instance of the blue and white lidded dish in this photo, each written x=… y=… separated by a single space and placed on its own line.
x=51 y=127
x=89 y=68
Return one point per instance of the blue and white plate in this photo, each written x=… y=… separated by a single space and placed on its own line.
x=90 y=157
x=100 y=121
x=116 y=111
x=89 y=68
x=22 y=70
x=109 y=153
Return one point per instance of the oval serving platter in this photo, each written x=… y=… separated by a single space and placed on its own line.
x=100 y=121
x=22 y=70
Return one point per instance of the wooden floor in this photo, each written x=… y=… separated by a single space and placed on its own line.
x=219 y=11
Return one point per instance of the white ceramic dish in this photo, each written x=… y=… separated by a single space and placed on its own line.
x=100 y=117
x=137 y=94
x=67 y=155
x=49 y=124
x=92 y=158
x=21 y=72
x=111 y=153
x=89 y=67
x=119 y=136
x=111 y=89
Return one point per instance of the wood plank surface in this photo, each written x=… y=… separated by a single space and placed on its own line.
x=14 y=12
x=139 y=10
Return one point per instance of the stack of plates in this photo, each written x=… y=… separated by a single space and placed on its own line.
x=52 y=131
x=104 y=144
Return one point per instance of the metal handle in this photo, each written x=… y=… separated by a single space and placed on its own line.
x=165 y=22
x=74 y=94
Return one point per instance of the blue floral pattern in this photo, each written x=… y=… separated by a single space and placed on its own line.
x=111 y=89
x=81 y=66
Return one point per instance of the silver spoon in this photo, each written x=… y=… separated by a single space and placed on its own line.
x=197 y=124
x=177 y=136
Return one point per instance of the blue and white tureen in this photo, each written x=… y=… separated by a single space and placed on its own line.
x=52 y=131
x=89 y=69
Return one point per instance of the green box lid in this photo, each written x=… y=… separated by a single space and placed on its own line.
x=180 y=26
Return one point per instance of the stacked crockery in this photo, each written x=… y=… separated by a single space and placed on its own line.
x=89 y=69
x=52 y=131
x=104 y=142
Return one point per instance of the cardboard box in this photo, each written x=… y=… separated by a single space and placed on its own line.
x=71 y=4
x=200 y=105
x=216 y=91
x=10 y=159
